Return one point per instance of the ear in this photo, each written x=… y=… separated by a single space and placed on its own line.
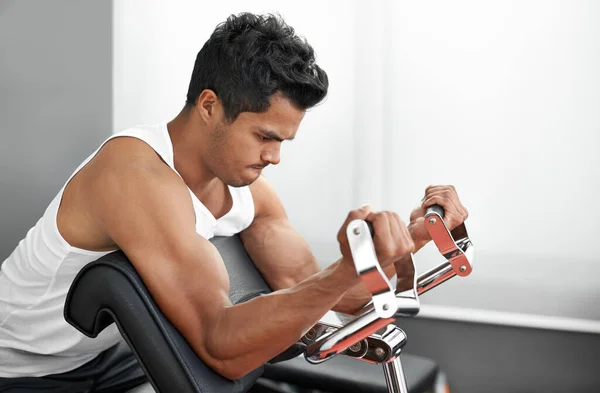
x=208 y=106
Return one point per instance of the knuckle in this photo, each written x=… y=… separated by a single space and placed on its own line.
x=399 y=251
x=353 y=215
x=388 y=251
x=409 y=246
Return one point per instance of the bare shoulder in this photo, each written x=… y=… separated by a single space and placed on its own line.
x=127 y=186
x=124 y=171
x=129 y=166
x=126 y=152
x=266 y=200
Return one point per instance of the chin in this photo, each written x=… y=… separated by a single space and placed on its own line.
x=241 y=182
x=242 y=179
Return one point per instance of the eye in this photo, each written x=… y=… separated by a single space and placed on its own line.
x=264 y=138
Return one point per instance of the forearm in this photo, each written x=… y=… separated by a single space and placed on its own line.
x=248 y=335
x=357 y=296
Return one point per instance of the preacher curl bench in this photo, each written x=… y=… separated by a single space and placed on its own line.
x=110 y=290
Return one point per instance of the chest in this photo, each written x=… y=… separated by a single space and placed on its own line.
x=218 y=202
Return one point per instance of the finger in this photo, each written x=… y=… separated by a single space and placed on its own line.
x=462 y=211
x=438 y=199
x=365 y=209
x=357 y=214
x=402 y=241
x=444 y=202
x=440 y=189
x=449 y=201
x=406 y=244
x=434 y=188
x=431 y=194
x=395 y=226
x=450 y=193
x=382 y=239
x=399 y=232
x=452 y=217
x=449 y=190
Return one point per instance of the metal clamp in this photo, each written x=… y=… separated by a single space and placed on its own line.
x=371 y=335
x=369 y=270
x=452 y=250
x=455 y=246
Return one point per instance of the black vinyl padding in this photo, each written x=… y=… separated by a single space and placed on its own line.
x=110 y=289
x=343 y=374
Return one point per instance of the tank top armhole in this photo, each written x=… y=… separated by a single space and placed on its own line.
x=248 y=203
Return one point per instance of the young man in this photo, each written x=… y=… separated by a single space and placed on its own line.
x=159 y=193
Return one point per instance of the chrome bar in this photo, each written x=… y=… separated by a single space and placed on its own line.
x=446 y=270
x=361 y=336
x=353 y=329
x=333 y=343
x=394 y=376
x=380 y=346
x=451 y=249
x=434 y=277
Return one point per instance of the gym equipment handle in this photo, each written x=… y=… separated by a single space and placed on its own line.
x=435 y=209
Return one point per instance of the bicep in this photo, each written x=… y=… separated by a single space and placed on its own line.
x=149 y=215
x=281 y=254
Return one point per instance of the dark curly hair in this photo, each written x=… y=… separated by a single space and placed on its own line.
x=250 y=57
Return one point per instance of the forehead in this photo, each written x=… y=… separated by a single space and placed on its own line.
x=282 y=117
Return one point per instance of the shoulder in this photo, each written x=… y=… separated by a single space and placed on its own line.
x=127 y=151
x=126 y=170
x=266 y=200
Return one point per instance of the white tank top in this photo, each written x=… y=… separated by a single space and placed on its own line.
x=35 y=339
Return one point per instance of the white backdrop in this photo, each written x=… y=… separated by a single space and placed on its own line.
x=502 y=100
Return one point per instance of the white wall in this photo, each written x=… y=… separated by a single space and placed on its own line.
x=500 y=99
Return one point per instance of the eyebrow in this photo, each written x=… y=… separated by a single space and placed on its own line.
x=273 y=135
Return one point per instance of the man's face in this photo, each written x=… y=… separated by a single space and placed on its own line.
x=238 y=151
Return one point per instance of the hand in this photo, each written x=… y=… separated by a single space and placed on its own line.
x=392 y=239
x=446 y=197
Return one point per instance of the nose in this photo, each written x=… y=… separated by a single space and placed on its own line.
x=271 y=154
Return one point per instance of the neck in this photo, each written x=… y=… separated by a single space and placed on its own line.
x=187 y=136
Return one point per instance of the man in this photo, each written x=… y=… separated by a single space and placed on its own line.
x=159 y=193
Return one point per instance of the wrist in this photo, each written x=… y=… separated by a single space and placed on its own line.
x=347 y=269
x=419 y=239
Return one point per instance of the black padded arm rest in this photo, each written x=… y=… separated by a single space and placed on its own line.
x=110 y=289
x=342 y=374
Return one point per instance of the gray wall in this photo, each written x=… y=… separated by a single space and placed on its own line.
x=55 y=102
x=484 y=358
